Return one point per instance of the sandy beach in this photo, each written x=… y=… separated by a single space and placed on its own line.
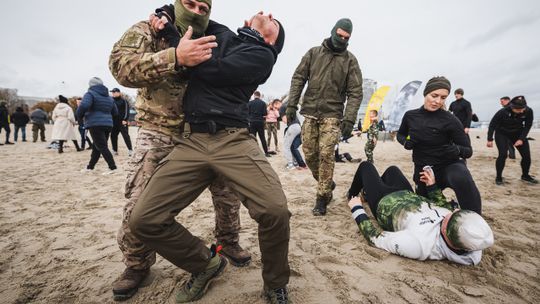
x=58 y=236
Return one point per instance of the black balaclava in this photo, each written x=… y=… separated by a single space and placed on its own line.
x=337 y=43
x=185 y=18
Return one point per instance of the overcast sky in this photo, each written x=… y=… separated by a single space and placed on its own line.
x=490 y=48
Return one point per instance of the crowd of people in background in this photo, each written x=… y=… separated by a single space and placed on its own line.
x=96 y=116
x=218 y=151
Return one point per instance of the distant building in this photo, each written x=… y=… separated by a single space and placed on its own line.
x=31 y=101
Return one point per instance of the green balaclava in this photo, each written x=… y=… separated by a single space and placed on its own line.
x=346 y=25
x=185 y=18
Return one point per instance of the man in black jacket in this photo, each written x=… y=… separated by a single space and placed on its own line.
x=511 y=126
x=216 y=142
x=257 y=114
x=462 y=109
x=85 y=137
x=505 y=100
x=20 y=120
x=4 y=121
x=120 y=122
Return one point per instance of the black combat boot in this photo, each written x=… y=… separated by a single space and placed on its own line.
x=320 y=206
x=128 y=283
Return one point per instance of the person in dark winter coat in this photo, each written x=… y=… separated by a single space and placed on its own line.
x=20 y=120
x=38 y=117
x=120 y=122
x=4 y=121
x=98 y=108
x=85 y=138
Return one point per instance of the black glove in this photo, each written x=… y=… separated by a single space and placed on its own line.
x=408 y=145
x=170 y=33
x=167 y=11
x=346 y=129
x=290 y=113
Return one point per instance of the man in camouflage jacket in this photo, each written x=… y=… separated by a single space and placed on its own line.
x=334 y=78
x=143 y=59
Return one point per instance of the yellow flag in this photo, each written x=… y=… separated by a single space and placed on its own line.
x=375 y=103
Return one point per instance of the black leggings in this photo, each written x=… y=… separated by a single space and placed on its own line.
x=124 y=130
x=100 y=147
x=457 y=177
x=503 y=142
x=257 y=127
x=375 y=187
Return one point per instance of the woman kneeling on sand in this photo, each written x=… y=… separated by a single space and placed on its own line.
x=414 y=226
x=437 y=139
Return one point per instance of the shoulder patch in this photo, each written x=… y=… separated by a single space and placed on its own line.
x=132 y=40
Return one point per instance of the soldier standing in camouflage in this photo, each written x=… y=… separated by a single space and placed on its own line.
x=333 y=77
x=141 y=59
x=372 y=133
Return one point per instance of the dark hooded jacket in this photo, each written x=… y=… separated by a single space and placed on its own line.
x=97 y=108
x=39 y=116
x=4 y=116
x=19 y=118
x=220 y=88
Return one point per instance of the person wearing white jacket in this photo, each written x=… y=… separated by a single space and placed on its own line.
x=414 y=226
x=64 y=124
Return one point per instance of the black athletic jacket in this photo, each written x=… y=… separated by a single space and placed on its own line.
x=437 y=137
x=463 y=111
x=511 y=124
x=257 y=110
x=219 y=89
x=123 y=109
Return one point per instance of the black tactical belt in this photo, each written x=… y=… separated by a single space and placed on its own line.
x=209 y=127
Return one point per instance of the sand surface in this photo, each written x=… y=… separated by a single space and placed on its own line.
x=58 y=237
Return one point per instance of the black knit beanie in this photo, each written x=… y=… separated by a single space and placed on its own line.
x=280 y=41
x=436 y=83
x=62 y=99
x=518 y=102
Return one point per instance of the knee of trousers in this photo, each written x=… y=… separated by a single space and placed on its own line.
x=143 y=225
x=276 y=218
x=460 y=180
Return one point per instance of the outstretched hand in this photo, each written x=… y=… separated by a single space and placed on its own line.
x=191 y=52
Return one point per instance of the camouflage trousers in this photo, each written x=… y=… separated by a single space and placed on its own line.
x=272 y=129
x=150 y=148
x=368 y=148
x=319 y=137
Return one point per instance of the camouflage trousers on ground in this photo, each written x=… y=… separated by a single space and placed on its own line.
x=319 y=137
x=150 y=148
x=368 y=148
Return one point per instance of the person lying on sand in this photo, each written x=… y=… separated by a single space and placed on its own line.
x=414 y=226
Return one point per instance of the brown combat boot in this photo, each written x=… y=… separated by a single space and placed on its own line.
x=128 y=283
x=236 y=254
